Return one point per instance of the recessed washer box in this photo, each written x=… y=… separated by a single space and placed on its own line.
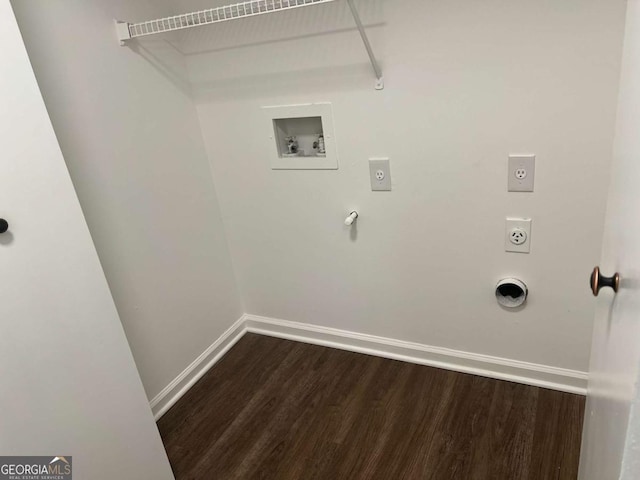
x=300 y=137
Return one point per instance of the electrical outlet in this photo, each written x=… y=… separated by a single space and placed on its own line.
x=518 y=235
x=521 y=172
x=380 y=174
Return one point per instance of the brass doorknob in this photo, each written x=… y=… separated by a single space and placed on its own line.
x=598 y=281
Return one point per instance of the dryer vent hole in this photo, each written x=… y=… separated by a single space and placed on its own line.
x=510 y=290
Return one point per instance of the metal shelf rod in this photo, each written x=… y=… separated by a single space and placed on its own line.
x=367 y=46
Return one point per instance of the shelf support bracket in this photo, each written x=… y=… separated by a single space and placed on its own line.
x=367 y=45
x=123 y=32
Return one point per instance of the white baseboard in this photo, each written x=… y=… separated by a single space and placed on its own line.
x=561 y=379
x=571 y=381
x=183 y=382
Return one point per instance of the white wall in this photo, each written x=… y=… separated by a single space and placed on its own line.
x=69 y=384
x=130 y=135
x=467 y=83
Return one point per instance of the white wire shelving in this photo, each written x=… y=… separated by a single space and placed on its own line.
x=129 y=31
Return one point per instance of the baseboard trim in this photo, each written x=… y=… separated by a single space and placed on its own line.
x=554 y=378
x=162 y=402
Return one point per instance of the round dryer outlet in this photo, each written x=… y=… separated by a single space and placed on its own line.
x=517 y=236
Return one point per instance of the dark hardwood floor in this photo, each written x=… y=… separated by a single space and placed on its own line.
x=276 y=409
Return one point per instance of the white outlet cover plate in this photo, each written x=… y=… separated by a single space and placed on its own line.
x=380 y=182
x=521 y=223
x=521 y=172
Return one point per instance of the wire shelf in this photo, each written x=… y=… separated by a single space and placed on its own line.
x=127 y=31
x=216 y=15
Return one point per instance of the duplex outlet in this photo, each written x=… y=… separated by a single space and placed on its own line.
x=380 y=174
x=518 y=235
x=521 y=173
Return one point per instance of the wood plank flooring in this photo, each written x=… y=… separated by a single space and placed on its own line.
x=277 y=409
